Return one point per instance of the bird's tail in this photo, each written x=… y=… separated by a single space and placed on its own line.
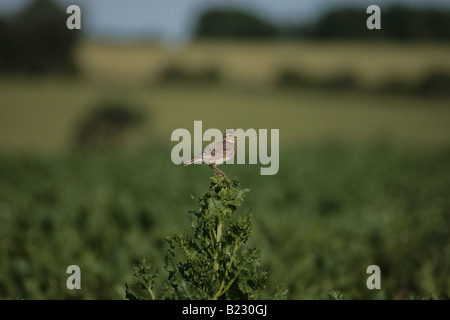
x=197 y=159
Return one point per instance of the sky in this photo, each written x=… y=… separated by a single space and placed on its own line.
x=174 y=20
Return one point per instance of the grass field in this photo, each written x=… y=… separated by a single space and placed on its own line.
x=363 y=177
x=44 y=115
x=253 y=64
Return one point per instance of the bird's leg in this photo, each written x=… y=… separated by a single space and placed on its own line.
x=214 y=168
x=220 y=171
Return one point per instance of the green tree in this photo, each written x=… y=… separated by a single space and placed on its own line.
x=36 y=40
x=398 y=22
x=214 y=264
x=231 y=23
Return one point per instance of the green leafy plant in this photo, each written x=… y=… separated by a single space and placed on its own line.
x=336 y=295
x=214 y=264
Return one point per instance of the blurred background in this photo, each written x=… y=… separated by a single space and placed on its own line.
x=364 y=117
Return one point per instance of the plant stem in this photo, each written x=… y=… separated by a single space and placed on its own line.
x=218 y=238
x=151 y=293
x=219 y=231
x=223 y=289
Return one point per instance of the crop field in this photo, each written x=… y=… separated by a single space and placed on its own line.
x=363 y=178
x=327 y=215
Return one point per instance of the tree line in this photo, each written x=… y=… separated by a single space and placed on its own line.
x=398 y=23
x=36 y=41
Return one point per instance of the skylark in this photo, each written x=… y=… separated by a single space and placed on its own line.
x=217 y=153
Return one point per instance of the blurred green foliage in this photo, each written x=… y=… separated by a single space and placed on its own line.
x=36 y=41
x=348 y=22
x=174 y=74
x=433 y=83
x=329 y=213
x=107 y=125
x=233 y=23
x=397 y=22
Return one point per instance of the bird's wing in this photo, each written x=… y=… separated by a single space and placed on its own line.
x=214 y=150
x=228 y=147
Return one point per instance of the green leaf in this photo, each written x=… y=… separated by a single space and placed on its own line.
x=187 y=291
x=170 y=263
x=336 y=295
x=129 y=295
x=280 y=293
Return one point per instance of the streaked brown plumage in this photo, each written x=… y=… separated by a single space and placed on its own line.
x=217 y=153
